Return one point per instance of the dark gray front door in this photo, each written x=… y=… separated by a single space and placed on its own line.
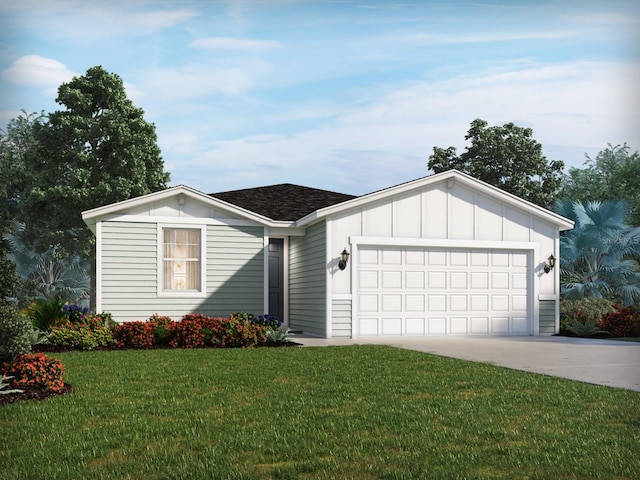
x=276 y=277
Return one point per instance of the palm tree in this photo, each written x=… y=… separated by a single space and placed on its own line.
x=597 y=256
x=51 y=274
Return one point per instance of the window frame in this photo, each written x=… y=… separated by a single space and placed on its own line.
x=160 y=256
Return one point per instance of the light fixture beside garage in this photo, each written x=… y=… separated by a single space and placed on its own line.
x=344 y=258
x=550 y=263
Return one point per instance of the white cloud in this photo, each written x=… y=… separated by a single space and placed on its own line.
x=573 y=108
x=191 y=82
x=230 y=43
x=37 y=71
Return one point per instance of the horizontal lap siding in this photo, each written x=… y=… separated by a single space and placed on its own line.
x=341 y=318
x=234 y=278
x=307 y=281
x=547 y=317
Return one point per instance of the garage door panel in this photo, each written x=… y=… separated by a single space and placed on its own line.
x=458 y=325
x=368 y=279
x=458 y=280
x=391 y=257
x=519 y=303
x=369 y=326
x=439 y=291
x=437 y=257
x=520 y=325
x=479 y=303
x=391 y=279
x=479 y=325
x=414 y=326
x=500 y=303
x=437 y=325
x=519 y=281
x=480 y=280
x=368 y=303
x=458 y=303
x=415 y=303
x=415 y=257
x=414 y=280
x=480 y=259
x=391 y=303
x=437 y=303
x=500 y=325
x=458 y=259
x=500 y=280
x=392 y=326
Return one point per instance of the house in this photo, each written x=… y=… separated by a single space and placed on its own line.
x=442 y=255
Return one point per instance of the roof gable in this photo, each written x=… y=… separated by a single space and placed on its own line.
x=282 y=202
x=447 y=178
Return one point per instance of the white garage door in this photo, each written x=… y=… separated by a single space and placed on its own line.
x=438 y=291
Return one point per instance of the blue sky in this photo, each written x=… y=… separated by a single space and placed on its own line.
x=349 y=96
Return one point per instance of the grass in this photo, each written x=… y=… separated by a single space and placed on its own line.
x=335 y=412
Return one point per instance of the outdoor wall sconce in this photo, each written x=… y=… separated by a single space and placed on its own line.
x=344 y=258
x=550 y=263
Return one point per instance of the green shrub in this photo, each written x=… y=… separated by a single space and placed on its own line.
x=46 y=313
x=37 y=337
x=275 y=335
x=583 y=310
x=14 y=328
x=87 y=335
x=162 y=325
x=586 y=329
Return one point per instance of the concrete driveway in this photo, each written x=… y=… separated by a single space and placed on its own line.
x=603 y=362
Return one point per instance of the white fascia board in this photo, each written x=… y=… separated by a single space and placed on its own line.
x=91 y=216
x=489 y=190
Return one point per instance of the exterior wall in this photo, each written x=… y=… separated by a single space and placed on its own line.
x=129 y=272
x=307 y=281
x=547 y=317
x=447 y=210
x=341 y=318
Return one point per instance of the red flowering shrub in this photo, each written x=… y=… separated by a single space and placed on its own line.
x=624 y=322
x=134 y=334
x=196 y=330
x=35 y=371
x=187 y=333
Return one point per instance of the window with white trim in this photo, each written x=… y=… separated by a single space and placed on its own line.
x=182 y=264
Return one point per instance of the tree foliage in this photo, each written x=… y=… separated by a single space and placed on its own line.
x=96 y=151
x=613 y=175
x=506 y=157
x=597 y=256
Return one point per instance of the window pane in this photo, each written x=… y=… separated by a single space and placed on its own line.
x=181 y=262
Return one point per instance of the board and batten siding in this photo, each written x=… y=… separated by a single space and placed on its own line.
x=129 y=274
x=307 y=281
x=547 y=317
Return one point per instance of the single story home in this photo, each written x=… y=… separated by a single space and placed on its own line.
x=445 y=254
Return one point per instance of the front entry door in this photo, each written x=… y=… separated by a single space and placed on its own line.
x=276 y=277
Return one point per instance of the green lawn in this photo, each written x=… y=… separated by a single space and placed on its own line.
x=334 y=412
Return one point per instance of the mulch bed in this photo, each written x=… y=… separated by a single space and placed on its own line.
x=32 y=394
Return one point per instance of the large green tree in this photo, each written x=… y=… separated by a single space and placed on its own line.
x=97 y=150
x=507 y=157
x=613 y=175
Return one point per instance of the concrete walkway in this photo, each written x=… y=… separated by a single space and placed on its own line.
x=603 y=362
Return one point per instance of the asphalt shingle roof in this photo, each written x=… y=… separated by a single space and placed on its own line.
x=285 y=202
